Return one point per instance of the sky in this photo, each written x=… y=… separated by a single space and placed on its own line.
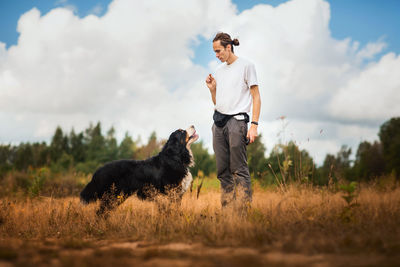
x=330 y=68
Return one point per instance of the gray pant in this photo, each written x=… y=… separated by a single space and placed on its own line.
x=229 y=143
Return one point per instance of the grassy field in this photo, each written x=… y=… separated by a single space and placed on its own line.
x=300 y=226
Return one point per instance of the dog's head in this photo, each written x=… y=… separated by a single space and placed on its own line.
x=178 y=144
x=184 y=137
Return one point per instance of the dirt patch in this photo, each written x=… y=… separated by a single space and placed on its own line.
x=112 y=253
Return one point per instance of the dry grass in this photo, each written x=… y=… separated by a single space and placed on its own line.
x=301 y=221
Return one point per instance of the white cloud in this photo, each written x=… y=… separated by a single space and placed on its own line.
x=373 y=95
x=97 y=10
x=371 y=50
x=132 y=68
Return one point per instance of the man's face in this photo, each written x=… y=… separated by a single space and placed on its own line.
x=221 y=52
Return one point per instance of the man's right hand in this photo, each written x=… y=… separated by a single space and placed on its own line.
x=210 y=81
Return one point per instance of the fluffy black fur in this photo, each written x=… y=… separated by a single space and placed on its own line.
x=126 y=177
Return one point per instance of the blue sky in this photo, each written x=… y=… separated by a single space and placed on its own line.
x=331 y=67
x=362 y=20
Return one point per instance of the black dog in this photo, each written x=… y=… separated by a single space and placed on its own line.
x=117 y=180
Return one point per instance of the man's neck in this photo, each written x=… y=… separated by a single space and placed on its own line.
x=231 y=59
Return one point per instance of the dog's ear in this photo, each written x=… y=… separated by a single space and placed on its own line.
x=174 y=142
x=175 y=148
x=180 y=136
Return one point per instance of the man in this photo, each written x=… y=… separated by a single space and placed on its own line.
x=234 y=90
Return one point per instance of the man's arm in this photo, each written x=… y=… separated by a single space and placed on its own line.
x=255 y=94
x=212 y=85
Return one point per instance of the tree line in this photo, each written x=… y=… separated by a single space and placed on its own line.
x=286 y=162
x=87 y=150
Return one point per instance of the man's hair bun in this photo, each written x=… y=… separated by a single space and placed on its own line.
x=235 y=42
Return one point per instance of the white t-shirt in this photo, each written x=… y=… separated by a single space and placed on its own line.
x=233 y=86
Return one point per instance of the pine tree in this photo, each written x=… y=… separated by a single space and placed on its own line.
x=59 y=144
x=126 y=149
x=77 y=146
x=389 y=135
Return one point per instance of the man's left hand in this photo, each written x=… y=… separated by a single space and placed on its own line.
x=252 y=133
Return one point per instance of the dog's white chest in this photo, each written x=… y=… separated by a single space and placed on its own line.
x=186 y=182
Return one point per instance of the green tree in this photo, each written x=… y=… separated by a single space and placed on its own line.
x=257 y=162
x=24 y=156
x=95 y=144
x=126 y=149
x=343 y=163
x=58 y=145
x=326 y=171
x=111 y=146
x=289 y=163
x=389 y=135
x=203 y=160
x=77 y=146
x=336 y=167
x=6 y=152
x=41 y=154
x=369 y=161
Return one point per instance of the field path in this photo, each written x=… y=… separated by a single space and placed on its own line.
x=112 y=253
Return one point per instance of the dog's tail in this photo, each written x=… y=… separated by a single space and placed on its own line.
x=89 y=193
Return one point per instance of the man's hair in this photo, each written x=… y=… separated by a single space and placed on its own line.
x=225 y=39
